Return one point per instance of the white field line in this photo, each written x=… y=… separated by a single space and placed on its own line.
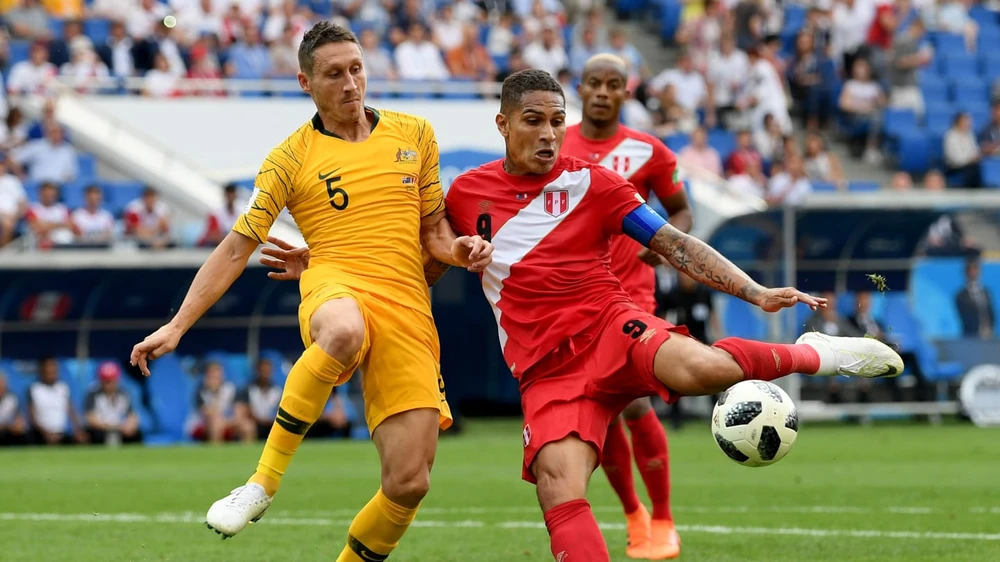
x=820 y=509
x=193 y=518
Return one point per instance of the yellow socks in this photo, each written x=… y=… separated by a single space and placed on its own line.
x=376 y=530
x=302 y=401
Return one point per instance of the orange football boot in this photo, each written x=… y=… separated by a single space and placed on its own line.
x=664 y=542
x=637 y=527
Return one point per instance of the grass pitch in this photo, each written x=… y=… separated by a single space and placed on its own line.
x=887 y=493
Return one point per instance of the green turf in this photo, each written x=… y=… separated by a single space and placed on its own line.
x=836 y=481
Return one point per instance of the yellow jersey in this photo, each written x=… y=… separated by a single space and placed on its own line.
x=358 y=204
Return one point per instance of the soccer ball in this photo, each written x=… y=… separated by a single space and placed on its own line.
x=755 y=423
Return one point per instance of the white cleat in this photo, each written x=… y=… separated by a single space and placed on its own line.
x=244 y=505
x=853 y=357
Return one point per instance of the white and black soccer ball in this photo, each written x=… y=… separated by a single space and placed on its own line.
x=755 y=423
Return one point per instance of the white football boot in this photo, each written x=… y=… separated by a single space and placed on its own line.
x=244 y=505
x=854 y=357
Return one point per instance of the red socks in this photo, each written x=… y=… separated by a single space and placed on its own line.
x=769 y=361
x=616 y=458
x=574 y=534
x=649 y=441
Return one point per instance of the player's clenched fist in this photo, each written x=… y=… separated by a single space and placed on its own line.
x=472 y=252
x=156 y=345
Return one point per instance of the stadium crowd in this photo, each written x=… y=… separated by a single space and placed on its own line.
x=758 y=90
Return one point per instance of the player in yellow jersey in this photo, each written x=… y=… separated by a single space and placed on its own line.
x=363 y=187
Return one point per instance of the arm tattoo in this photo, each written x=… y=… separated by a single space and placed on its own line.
x=434 y=270
x=704 y=264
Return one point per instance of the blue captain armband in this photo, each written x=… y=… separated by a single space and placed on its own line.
x=642 y=223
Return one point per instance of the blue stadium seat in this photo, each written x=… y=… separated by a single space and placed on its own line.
x=31 y=189
x=722 y=141
x=117 y=194
x=97 y=29
x=934 y=89
x=914 y=153
x=990 y=172
x=670 y=19
x=984 y=17
x=17 y=51
x=88 y=166
x=502 y=62
x=73 y=194
x=948 y=44
x=980 y=113
x=958 y=67
x=863 y=186
x=989 y=69
x=989 y=38
x=898 y=121
x=938 y=118
x=823 y=187
x=969 y=89
x=677 y=141
x=741 y=320
x=172 y=391
x=235 y=366
x=56 y=27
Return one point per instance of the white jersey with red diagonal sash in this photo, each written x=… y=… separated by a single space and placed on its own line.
x=651 y=167
x=550 y=277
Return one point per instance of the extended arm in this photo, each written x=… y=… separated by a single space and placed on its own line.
x=214 y=278
x=447 y=249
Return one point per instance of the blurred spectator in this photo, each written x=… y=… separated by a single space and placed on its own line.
x=234 y=24
x=583 y=49
x=257 y=404
x=743 y=155
x=85 y=69
x=790 y=186
x=221 y=221
x=12 y=426
x=961 y=152
x=590 y=18
x=197 y=18
x=468 y=11
x=13 y=203
x=93 y=224
x=378 y=61
x=409 y=12
x=285 y=19
x=160 y=81
x=48 y=218
x=333 y=422
x=749 y=23
x=700 y=155
x=975 y=304
x=851 y=20
x=249 y=58
x=862 y=100
x=28 y=21
x=637 y=69
x=117 y=51
x=910 y=52
x=547 y=53
x=112 y=9
x=670 y=116
x=989 y=137
x=750 y=183
x=162 y=42
x=60 y=47
x=31 y=76
x=690 y=88
x=864 y=322
x=500 y=40
x=470 y=59
x=827 y=320
x=515 y=63
x=13 y=129
x=284 y=52
x=214 y=419
x=728 y=70
x=51 y=408
x=805 y=78
x=934 y=180
x=764 y=94
x=110 y=417
x=419 y=59
x=147 y=220
x=447 y=30
x=901 y=182
x=952 y=16
x=143 y=17
x=565 y=79
x=51 y=159
x=768 y=140
x=821 y=164
x=701 y=35
x=205 y=66
x=538 y=15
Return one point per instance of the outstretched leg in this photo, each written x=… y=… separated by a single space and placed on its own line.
x=562 y=470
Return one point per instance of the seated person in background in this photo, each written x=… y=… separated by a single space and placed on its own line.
x=975 y=304
x=49 y=219
x=862 y=100
x=214 y=419
x=257 y=404
x=221 y=221
x=50 y=408
x=108 y=409
x=13 y=202
x=333 y=422
x=12 y=424
x=92 y=223
x=864 y=322
x=790 y=186
x=147 y=220
x=51 y=158
x=829 y=321
x=962 y=153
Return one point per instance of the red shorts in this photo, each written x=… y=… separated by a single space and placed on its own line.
x=583 y=385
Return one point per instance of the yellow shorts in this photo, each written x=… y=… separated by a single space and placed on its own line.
x=400 y=358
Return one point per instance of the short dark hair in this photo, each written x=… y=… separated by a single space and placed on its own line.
x=321 y=34
x=230 y=188
x=93 y=187
x=523 y=82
